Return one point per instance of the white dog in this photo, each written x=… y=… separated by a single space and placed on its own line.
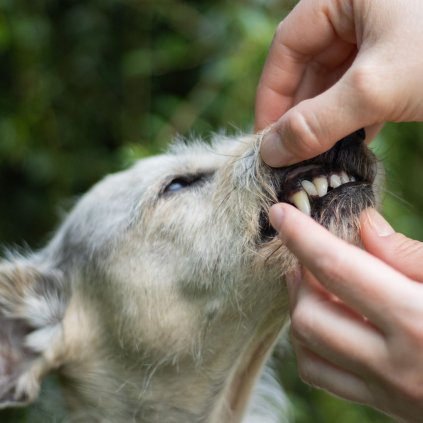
x=162 y=294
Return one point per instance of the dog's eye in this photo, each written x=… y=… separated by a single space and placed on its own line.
x=182 y=182
x=177 y=184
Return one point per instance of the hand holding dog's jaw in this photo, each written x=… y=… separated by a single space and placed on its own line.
x=376 y=359
x=333 y=68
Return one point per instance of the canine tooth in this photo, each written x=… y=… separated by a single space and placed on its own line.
x=309 y=188
x=301 y=201
x=335 y=181
x=352 y=179
x=321 y=184
x=344 y=178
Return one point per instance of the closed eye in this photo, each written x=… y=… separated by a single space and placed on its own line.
x=181 y=183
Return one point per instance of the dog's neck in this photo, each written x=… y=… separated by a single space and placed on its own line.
x=211 y=386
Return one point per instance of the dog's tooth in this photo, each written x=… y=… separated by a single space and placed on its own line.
x=335 y=181
x=309 y=188
x=344 y=177
x=301 y=201
x=352 y=179
x=321 y=184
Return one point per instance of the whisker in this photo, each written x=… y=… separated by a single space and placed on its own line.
x=266 y=260
x=399 y=198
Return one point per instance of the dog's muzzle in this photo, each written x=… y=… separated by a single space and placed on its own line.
x=338 y=183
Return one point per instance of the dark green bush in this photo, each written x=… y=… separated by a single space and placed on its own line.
x=89 y=86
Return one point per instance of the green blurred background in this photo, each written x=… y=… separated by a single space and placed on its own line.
x=89 y=86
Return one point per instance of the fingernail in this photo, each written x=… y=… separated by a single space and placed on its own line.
x=273 y=151
x=379 y=224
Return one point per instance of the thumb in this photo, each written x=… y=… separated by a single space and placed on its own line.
x=315 y=125
x=402 y=253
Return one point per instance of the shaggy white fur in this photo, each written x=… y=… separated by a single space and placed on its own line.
x=158 y=299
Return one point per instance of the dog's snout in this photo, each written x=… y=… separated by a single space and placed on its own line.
x=333 y=187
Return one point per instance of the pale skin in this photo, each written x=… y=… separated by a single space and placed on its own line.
x=336 y=66
x=357 y=315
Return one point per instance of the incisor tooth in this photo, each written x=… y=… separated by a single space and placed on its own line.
x=344 y=178
x=321 y=184
x=301 y=201
x=335 y=181
x=309 y=188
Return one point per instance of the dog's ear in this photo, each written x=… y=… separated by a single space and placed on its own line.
x=32 y=304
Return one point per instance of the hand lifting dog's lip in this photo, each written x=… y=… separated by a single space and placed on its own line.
x=161 y=296
x=333 y=187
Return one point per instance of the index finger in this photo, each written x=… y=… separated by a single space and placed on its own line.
x=310 y=29
x=360 y=280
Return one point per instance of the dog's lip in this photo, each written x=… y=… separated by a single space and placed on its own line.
x=348 y=161
x=304 y=183
x=340 y=158
x=301 y=170
x=318 y=206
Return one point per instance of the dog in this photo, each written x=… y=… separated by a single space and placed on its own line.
x=162 y=295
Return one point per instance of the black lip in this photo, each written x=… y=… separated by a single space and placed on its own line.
x=348 y=200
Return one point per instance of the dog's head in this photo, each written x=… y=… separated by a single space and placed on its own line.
x=167 y=276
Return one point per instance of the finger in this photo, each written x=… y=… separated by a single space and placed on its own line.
x=380 y=239
x=293 y=283
x=325 y=70
x=319 y=372
x=297 y=40
x=316 y=124
x=287 y=79
x=372 y=131
x=329 y=329
x=351 y=274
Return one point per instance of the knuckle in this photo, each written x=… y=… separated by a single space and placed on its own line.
x=409 y=250
x=406 y=330
x=306 y=372
x=302 y=325
x=302 y=137
x=409 y=247
x=303 y=371
x=369 y=89
x=280 y=30
x=413 y=393
x=414 y=388
x=403 y=245
x=408 y=384
x=411 y=332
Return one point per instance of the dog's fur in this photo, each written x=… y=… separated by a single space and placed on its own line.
x=157 y=301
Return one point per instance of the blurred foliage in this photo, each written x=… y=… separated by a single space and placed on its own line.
x=89 y=86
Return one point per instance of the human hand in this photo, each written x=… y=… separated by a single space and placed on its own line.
x=357 y=318
x=337 y=66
